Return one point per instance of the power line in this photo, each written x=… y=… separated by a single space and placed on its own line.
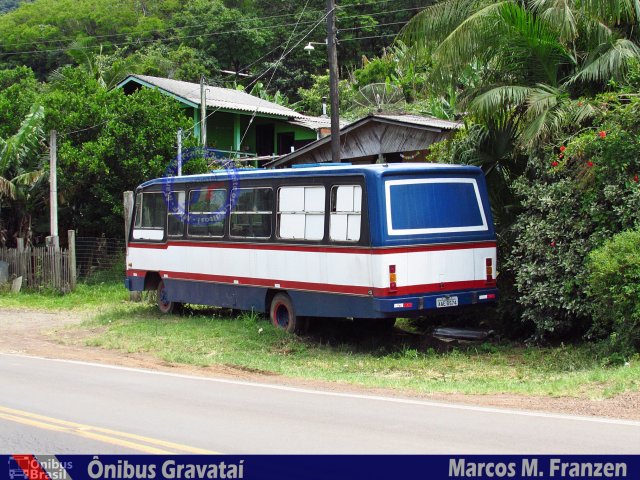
x=175 y=37
x=367 y=38
x=282 y=57
x=370 y=26
x=138 y=42
x=143 y=32
x=361 y=5
x=245 y=68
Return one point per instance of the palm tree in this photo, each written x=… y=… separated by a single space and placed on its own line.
x=19 y=154
x=536 y=56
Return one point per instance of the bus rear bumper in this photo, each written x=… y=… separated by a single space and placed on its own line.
x=417 y=304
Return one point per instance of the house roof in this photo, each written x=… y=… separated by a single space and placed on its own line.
x=216 y=97
x=421 y=120
x=424 y=123
x=315 y=123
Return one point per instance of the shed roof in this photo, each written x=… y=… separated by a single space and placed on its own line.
x=431 y=129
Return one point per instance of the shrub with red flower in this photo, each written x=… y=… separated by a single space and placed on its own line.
x=562 y=148
x=635 y=178
x=589 y=164
x=554 y=163
x=602 y=134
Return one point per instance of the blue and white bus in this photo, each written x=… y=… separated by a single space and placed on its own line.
x=367 y=242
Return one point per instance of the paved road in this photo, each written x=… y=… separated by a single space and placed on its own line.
x=54 y=406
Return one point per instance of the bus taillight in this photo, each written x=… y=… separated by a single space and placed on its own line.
x=392 y=277
x=489 y=269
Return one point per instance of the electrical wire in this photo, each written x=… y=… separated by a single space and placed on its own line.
x=157 y=30
x=282 y=57
x=175 y=37
x=370 y=26
x=368 y=38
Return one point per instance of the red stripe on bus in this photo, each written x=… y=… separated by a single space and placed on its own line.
x=318 y=249
x=445 y=288
x=319 y=287
x=265 y=282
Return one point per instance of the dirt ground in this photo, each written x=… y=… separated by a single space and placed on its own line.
x=45 y=334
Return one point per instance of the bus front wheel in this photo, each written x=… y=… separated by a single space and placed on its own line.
x=164 y=304
x=283 y=315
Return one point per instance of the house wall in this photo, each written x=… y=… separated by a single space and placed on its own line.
x=221 y=133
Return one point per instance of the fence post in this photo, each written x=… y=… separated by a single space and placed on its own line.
x=22 y=259
x=72 y=259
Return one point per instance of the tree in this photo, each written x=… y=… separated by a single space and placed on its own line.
x=109 y=142
x=231 y=37
x=38 y=34
x=536 y=56
x=20 y=170
x=7 y=5
x=19 y=90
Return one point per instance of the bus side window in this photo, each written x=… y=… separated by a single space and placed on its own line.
x=176 y=214
x=251 y=216
x=207 y=209
x=346 y=210
x=151 y=213
x=138 y=222
x=301 y=213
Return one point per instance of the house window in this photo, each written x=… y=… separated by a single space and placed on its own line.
x=301 y=213
x=346 y=211
x=251 y=216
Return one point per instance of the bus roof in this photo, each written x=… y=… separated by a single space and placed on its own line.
x=376 y=170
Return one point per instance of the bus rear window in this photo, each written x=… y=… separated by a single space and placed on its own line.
x=434 y=205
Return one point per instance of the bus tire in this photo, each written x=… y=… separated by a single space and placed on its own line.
x=283 y=314
x=165 y=306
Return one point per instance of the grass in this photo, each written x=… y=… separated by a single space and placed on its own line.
x=85 y=297
x=335 y=351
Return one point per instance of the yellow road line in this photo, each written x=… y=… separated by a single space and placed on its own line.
x=124 y=439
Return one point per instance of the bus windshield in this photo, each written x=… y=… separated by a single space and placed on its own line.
x=434 y=205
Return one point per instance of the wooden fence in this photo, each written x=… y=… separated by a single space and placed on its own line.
x=43 y=267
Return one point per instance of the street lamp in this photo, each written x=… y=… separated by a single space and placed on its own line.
x=310 y=46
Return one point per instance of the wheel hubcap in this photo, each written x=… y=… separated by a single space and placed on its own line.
x=281 y=315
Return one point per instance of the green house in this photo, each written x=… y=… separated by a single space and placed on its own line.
x=239 y=124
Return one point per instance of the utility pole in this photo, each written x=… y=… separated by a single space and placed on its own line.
x=332 y=51
x=203 y=113
x=179 y=152
x=53 y=190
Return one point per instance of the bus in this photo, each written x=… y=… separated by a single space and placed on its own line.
x=371 y=242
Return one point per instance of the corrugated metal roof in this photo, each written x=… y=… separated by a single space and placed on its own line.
x=218 y=97
x=422 y=120
x=315 y=123
x=408 y=121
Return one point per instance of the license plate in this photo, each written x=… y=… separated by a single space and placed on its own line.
x=443 y=302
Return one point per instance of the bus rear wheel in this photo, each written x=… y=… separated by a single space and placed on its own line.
x=283 y=314
x=164 y=304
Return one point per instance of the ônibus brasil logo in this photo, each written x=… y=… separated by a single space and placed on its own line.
x=214 y=200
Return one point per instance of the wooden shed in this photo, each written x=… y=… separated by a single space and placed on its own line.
x=376 y=138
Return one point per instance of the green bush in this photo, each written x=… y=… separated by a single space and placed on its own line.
x=614 y=290
x=577 y=195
